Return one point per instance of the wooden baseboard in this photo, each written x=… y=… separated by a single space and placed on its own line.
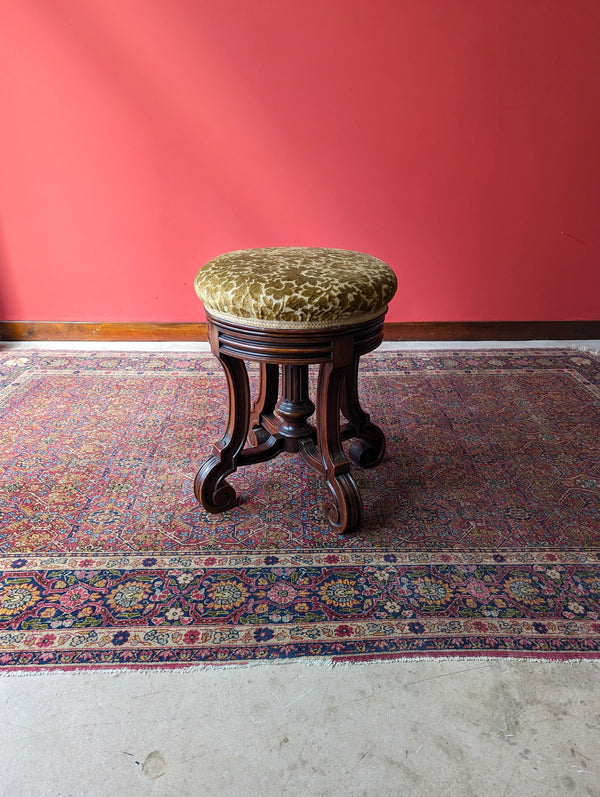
x=493 y=330
x=84 y=331
x=410 y=331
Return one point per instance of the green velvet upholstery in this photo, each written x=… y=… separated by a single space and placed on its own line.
x=295 y=287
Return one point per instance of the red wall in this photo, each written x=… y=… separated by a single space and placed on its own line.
x=456 y=139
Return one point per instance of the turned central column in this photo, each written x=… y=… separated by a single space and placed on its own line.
x=295 y=406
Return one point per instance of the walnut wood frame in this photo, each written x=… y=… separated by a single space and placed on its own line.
x=259 y=430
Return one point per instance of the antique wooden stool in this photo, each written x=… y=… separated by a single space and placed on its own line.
x=292 y=307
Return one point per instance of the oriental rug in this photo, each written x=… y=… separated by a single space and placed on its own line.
x=481 y=532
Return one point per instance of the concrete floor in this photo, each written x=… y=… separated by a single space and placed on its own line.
x=496 y=728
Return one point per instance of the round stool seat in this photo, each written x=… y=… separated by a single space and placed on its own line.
x=295 y=287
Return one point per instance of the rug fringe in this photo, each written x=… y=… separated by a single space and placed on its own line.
x=328 y=663
x=149 y=669
x=588 y=349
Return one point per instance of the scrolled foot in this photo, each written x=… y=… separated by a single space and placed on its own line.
x=368 y=450
x=258 y=435
x=214 y=493
x=344 y=512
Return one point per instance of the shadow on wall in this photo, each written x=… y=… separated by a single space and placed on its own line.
x=8 y=292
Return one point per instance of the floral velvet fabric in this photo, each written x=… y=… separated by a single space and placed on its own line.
x=295 y=287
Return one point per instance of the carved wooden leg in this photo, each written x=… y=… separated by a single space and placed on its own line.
x=214 y=493
x=263 y=407
x=345 y=511
x=368 y=447
x=295 y=407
